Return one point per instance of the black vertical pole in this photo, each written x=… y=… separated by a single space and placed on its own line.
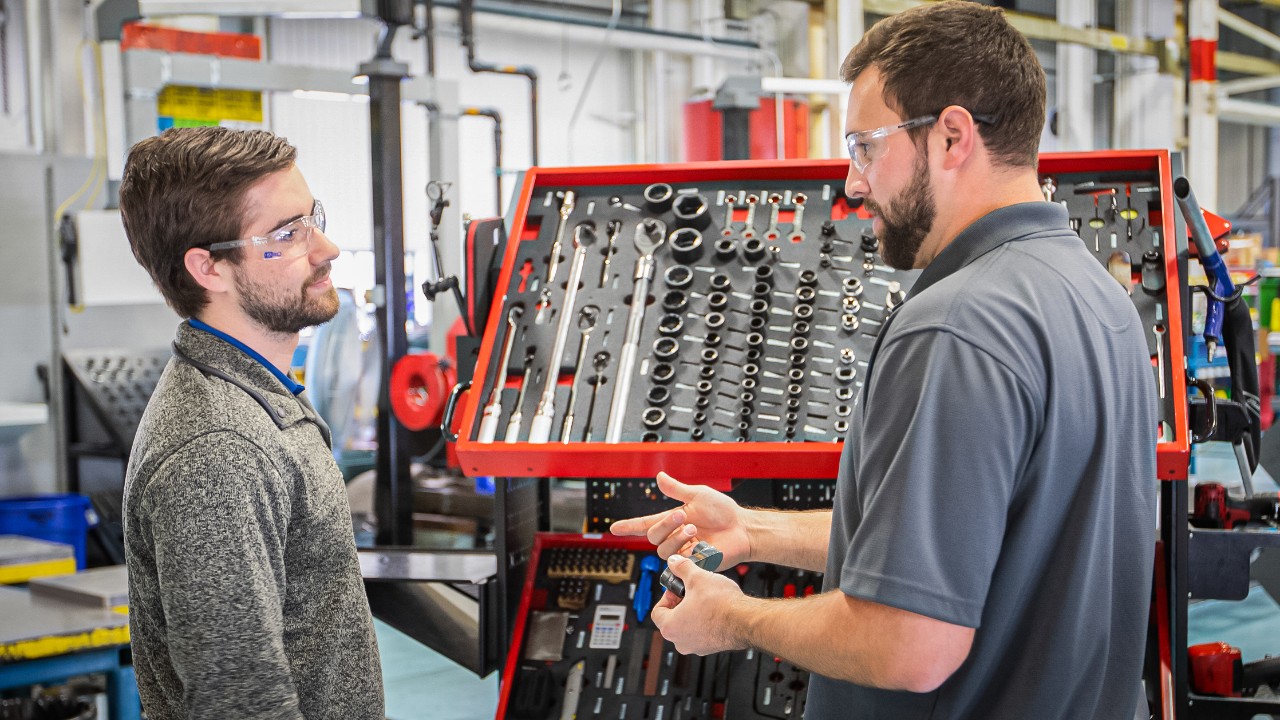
x=393 y=498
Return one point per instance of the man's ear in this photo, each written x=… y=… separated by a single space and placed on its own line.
x=207 y=272
x=959 y=136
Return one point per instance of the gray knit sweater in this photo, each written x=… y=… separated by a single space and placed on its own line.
x=244 y=588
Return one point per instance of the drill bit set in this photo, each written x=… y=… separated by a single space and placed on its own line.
x=708 y=311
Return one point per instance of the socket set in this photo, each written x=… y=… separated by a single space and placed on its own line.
x=585 y=645
x=714 y=320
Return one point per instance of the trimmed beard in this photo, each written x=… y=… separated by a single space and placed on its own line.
x=907 y=219
x=281 y=313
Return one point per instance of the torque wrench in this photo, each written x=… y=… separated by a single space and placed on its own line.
x=489 y=421
x=586 y=323
x=650 y=234
x=611 y=229
x=584 y=236
x=517 y=414
x=566 y=208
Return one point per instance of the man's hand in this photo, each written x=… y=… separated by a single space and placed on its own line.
x=706 y=515
x=700 y=624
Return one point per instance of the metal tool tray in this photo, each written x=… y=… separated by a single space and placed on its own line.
x=756 y=439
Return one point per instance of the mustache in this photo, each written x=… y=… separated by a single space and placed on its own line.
x=871 y=205
x=320 y=274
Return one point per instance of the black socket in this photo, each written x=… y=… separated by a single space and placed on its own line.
x=845 y=374
x=686 y=245
x=757 y=323
x=662 y=373
x=659 y=395
x=678 y=276
x=710 y=356
x=841 y=426
x=720 y=281
x=704 y=387
x=747 y=397
x=852 y=287
x=665 y=348
x=799 y=344
x=844 y=393
x=792 y=417
x=761 y=289
x=744 y=427
x=717 y=301
x=753 y=249
x=797 y=359
x=653 y=417
x=800 y=327
x=869 y=243
x=752 y=355
x=794 y=390
x=670 y=324
x=658 y=197
x=651 y=437
x=715 y=320
x=759 y=306
x=726 y=248
x=702 y=402
x=707 y=372
x=675 y=301
x=699 y=418
x=746 y=411
x=808 y=277
x=748 y=383
x=765 y=273
x=843 y=411
x=795 y=374
x=697 y=433
x=755 y=339
x=805 y=294
x=803 y=312
x=713 y=339
x=691 y=211
x=750 y=370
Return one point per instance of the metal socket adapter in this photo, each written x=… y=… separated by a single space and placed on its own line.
x=678 y=276
x=691 y=211
x=686 y=245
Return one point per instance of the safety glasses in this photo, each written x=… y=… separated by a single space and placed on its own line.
x=290 y=240
x=866 y=146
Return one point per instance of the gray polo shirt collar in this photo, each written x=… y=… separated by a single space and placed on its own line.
x=990 y=231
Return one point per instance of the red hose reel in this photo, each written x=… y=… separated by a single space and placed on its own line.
x=420 y=386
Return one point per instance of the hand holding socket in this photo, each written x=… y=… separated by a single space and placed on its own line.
x=703 y=555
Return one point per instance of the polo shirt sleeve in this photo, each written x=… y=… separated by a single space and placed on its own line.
x=945 y=433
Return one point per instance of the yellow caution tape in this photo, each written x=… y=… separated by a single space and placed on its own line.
x=63 y=644
x=22 y=572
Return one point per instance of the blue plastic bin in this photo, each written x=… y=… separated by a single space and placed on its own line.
x=64 y=518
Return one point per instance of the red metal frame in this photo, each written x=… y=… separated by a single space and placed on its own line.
x=718 y=464
x=540 y=542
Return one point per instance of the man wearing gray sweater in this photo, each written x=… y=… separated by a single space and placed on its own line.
x=244 y=587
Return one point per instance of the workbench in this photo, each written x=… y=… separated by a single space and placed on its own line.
x=48 y=640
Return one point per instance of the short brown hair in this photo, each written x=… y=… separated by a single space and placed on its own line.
x=959 y=53
x=185 y=189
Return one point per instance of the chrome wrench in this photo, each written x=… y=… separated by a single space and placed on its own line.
x=566 y=209
x=612 y=229
x=650 y=234
x=1159 y=333
x=489 y=421
x=584 y=236
x=517 y=414
x=586 y=323
x=797 y=222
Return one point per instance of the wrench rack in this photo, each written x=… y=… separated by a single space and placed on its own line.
x=764 y=297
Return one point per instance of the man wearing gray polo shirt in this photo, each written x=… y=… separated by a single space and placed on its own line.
x=989 y=553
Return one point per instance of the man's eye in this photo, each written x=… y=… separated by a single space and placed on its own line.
x=284 y=234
